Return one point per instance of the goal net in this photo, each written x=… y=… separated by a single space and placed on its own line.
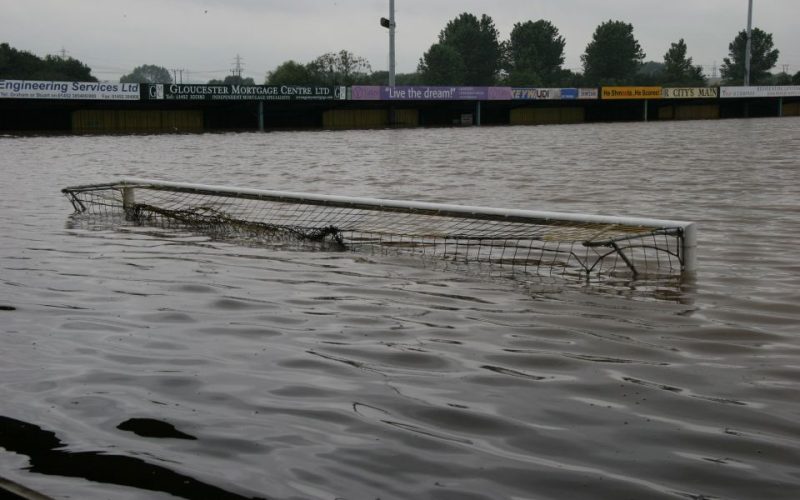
x=543 y=243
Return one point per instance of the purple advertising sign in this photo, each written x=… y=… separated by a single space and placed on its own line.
x=500 y=93
x=366 y=93
x=409 y=93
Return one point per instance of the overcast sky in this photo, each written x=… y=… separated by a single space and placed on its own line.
x=203 y=37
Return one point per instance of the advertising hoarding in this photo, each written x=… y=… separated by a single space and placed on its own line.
x=690 y=92
x=423 y=93
x=195 y=92
x=776 y=91
x=631 y=93
x=36 y=89
x=552 y=94
x=537 y=94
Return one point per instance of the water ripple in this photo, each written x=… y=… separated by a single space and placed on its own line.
x=313 y=374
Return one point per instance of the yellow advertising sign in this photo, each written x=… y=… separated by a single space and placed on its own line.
x=690 y=93
x=631 y=93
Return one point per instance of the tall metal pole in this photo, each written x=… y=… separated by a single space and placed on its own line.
x=391 y=43
x=749 y=49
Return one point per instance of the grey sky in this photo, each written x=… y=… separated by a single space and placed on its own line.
x=204 y=36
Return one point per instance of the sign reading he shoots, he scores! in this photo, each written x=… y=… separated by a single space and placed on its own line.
x=35 y=89
x=193 y=92
x=631 y=93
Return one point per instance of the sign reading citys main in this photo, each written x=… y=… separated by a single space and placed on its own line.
x=690 y=92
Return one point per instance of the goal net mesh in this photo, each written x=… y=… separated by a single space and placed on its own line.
x=521 y=243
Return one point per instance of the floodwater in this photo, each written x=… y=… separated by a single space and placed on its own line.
x=140 y=362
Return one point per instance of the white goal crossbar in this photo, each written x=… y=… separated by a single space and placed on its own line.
x=531 y=240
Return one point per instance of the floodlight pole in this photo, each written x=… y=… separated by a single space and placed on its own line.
x=391 y=43
x=749 y=49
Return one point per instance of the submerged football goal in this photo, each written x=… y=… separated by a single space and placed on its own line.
x=543 y=243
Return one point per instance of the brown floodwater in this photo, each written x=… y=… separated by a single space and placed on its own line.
x=143 y=362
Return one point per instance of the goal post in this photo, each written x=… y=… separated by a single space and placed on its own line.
x=534 y=241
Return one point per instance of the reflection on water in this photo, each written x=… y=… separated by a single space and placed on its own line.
x=43 y=450
x=201 y=368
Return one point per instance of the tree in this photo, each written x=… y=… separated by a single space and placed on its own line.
x=535 y=54
x=65 y=68
x=613 y=56
x=442 y=65
x=678 y=69
x=382 y=78
x=475 y=42
x=340 y=68
x=147 y=73
x=650 y=73
x=523 y=78
x=14 y=64
x=21 y=65
x=569 y=78
x=764 y=57
x=290 y=73
x=796 y=79
x=333 y=68
x=233 y=80
x=782 y=78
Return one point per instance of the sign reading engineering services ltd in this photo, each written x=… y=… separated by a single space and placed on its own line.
x=34 y=89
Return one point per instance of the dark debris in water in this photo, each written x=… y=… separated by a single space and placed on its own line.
x=148 y=427
x=513 y=373
x=7 y=308
x=49 y=455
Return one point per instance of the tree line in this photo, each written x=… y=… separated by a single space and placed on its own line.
x=469 y=51
x=20 y=65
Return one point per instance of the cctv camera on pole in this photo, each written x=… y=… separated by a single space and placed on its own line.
x=390 y=24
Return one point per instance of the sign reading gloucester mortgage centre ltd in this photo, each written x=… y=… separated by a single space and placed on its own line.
x=193 y=92
x=35 y=89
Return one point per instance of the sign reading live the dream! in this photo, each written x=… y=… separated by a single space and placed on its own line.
x=34 y=89
x=409 y=93
x=631 y=93
x=194 y=92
